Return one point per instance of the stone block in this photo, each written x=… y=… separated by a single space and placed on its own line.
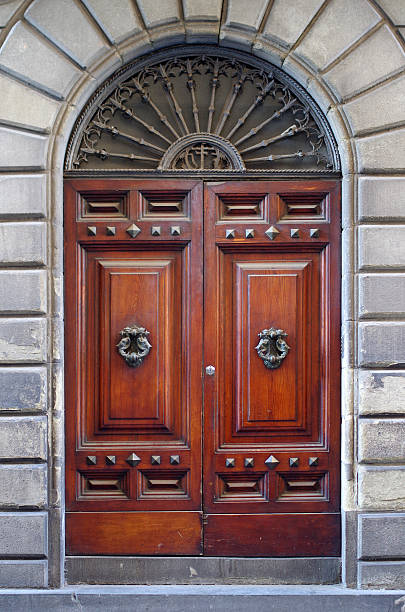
x=352 y=75
x=23 y=438
x=383 y=152
x=238 y=15
x=23 y=243
x=23 y=390
x=22 y=486
x=381 y=247
x=386 y=575
x=395 y=10
x=381 y=198
x=24 y=107
x=32 y=58
x=381 y=295
x=325 y=41
x=7 y=10
x=202 y=10
x=289 y=18
x=21 y=150
x=380 y=108
x=84 y=48
x=381 y=345
x=117 y=18
x=23 y=340
x=23 y=534
x=23 y=574
x=382 y=536
x=23 y=292
x=382 y=441
x=381 y=393
x=22 y=195
x=159 y=13
x=381 y=488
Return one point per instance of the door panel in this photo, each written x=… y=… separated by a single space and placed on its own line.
x=133 y=257
x=271 y=444
x=258 y=476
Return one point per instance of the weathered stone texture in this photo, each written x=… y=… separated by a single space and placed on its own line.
x=23 y=243
x=381 y=393
x=22 y=195
x=381 y=344
x=23 y=574
x=381 y=152
x=381 y=488
x=299 y=12
x=23 y=438
x=117 y=18
x=159 y=13
x=237 y=14
x=23 y=390
x=20 y=150
x=23 y=292
x=382 y=441
x=395 y=10
x=23 y=534
x=385 y=56
x=46 y=16
x=22 y=106
x=202 y=10
x=7 y=10
x=381 y=295
x=23 y=486
x=387 y=575
x=26 y=54
x=382 y=536
x=325 y=42
x=381 y=198
x=381 y=107
x=22 y=340
x=381 y=247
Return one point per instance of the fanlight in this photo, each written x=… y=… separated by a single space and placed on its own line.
x=216 y=111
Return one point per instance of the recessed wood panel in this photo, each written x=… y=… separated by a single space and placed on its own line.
x=243 y=487
x=163 y=483
x=105 y=484
x=303 y=486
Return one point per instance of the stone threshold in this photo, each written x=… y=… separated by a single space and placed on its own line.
x=201 y=598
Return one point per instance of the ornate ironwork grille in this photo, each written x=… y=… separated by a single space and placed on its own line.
x=202 y=109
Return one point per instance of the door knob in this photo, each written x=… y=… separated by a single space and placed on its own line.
x=210 y=370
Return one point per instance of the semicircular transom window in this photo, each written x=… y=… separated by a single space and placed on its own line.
x=204 y=110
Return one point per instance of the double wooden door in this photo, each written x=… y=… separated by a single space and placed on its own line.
x=202 y=376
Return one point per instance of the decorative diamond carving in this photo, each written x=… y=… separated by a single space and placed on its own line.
x=312 y=461
x=250 y=233
x=133 y=459
x=175 y=459
x=133 y=230
x=272 y=232
x=293 y=461
x=230 y=462
x=110 y=230
x=272 y=462
x=314 y=232
x=295 y=232
x=110 y=459
x=175 y=230
x=155 y=459
x=91 y=230
x=155 y=231
x=91 y=460
x=169 y=113
x=230 y=233
x=249 y=462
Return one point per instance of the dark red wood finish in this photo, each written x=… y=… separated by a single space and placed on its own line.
x=250 y=412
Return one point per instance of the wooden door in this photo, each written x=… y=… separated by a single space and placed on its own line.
x=271 y=447
x=247 y=466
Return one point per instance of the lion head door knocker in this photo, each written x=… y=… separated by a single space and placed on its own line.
x=134 y=345
x=272 y=347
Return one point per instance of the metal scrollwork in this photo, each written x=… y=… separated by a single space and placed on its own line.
x=134 y=345
x=272 y=347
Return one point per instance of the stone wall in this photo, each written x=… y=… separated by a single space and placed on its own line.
x=349 y=54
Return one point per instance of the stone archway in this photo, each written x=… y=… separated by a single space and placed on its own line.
x=355 y=71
